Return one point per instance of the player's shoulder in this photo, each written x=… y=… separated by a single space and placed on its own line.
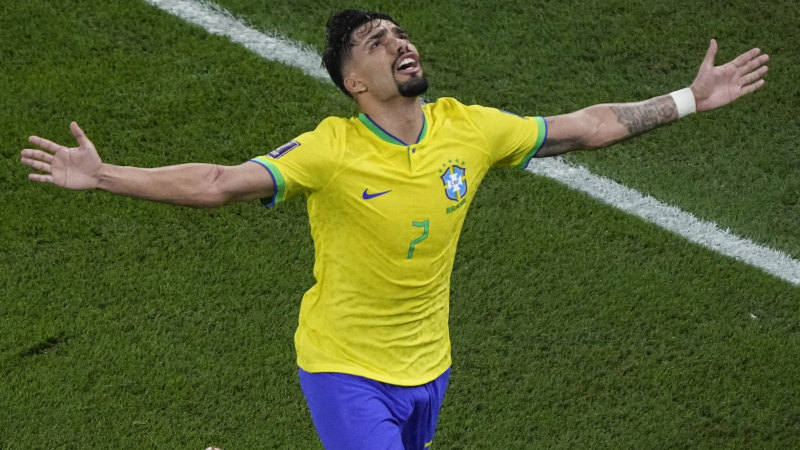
x=333 y=126
x=448 y=109
x=451 y=107
x=329 y=133
x=444 y=105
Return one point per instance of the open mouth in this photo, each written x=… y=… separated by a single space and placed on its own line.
x=407 y=64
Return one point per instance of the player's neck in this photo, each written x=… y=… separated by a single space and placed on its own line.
x=402 y=118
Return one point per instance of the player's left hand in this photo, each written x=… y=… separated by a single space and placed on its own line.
x=717 y=86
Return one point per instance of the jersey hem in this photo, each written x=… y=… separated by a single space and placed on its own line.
x=361 y=372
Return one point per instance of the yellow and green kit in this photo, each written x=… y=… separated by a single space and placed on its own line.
x=385 y=217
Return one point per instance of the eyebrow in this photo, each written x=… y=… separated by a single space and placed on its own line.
x=380 y=34
x=376 y=36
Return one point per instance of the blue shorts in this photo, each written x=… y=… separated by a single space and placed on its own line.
x=352 y=412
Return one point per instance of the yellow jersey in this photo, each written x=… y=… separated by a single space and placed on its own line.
x=385 y=218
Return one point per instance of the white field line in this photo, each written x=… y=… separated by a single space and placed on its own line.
x=217 y=21
x=273 y=47
x=669 y=217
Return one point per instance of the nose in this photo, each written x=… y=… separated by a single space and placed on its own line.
x=401 y=45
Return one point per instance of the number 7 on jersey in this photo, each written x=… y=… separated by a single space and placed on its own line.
x=424 y=226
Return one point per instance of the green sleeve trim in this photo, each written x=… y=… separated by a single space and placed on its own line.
x=277 y=179
x=541 y=136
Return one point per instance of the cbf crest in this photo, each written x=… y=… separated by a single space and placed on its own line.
x=454 y=180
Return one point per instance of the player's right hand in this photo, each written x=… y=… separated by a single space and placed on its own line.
x=71 y=168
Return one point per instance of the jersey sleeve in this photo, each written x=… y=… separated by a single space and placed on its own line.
x=513 y=140
x=302 y=165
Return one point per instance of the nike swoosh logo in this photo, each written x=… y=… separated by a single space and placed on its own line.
x=366 y=195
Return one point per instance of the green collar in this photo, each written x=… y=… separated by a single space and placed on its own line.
x=386 y=136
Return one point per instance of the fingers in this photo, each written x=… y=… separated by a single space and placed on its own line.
x=748 y=78
x=746 y=57
x=80 y=136
x=39 y=178
x=51 y=146
x=37 y=155
x=40 y=161
x=36 y=165
x=711 y=53
x=752 y=87
x=46 y=144
x=753 y=64
x=751 y=69
x=37 y=160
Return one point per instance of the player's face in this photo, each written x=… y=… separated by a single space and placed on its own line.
x=386 y=62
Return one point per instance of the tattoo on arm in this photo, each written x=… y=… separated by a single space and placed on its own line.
x=593 y=127
x=644 y=116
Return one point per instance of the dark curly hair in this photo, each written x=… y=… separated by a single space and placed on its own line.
x=339 y=40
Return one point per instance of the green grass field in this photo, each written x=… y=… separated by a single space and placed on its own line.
x=126 y=324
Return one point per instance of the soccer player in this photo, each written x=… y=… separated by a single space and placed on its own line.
x=387 y=193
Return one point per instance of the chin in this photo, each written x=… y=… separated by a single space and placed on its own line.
x=413 y=87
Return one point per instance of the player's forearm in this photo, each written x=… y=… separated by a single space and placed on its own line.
x=615 y=122
x=185 y=184
x=605 y=124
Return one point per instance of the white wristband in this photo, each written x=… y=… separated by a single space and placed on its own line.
x=684 y=100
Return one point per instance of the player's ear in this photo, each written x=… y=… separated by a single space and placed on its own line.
x=354 y=84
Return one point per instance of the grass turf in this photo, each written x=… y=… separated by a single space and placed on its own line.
x=127 y=324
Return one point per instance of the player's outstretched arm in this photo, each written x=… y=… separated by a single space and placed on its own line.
x=602 y=125
x=197 y=185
